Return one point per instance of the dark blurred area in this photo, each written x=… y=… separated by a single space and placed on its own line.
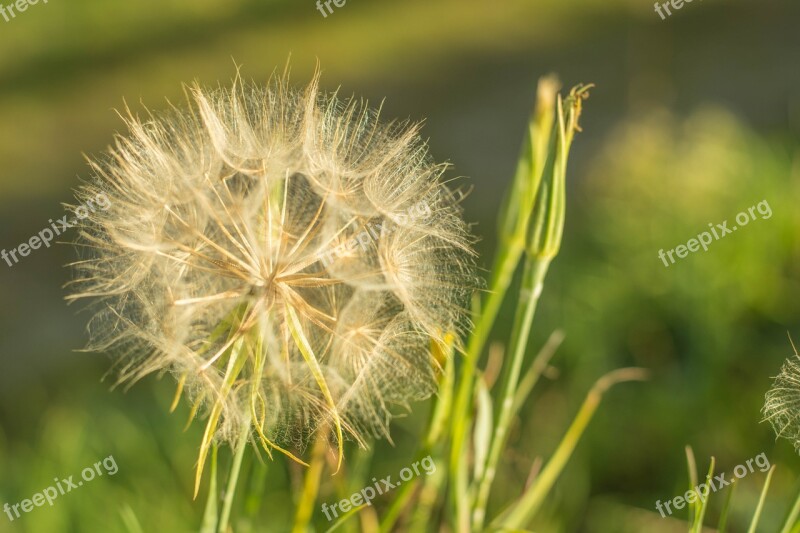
x=693 y=119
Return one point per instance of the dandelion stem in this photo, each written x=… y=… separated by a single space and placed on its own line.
x=210 y=515
x=514 y=223
x=505 y=266
x=543 y=241
x=233 y=479
x=533 y=278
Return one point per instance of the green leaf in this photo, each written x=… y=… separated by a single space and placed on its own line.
x=761 y=500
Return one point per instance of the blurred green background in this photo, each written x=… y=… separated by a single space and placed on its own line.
x=694 y=119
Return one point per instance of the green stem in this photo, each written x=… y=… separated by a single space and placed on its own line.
x=428 y=497
x=514 y=223
x=305 y=506
x=504 y=271
x=432 y=444
x=761 y=500
x=700 y=510
x=726 y=507
x=506 y=265
x=532 y=283
x=233 y=479
x=531 y=377
x=210 y=515
x=397 y=507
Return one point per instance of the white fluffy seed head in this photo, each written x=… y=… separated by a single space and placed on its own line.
x=782 y=403
x=287 y=257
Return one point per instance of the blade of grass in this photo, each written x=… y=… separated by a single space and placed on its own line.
x=761 y=500
x=129 y=520
x=428 y=496
x=210 y=516
x=531 y=378
x=522 y=511
x=723 y=518
x=357 y=477
x=233 y=477
x=256 y=489
x=529 y=298
x=691 y=466
x=700 y=513
x=345 y=517
x=792 y=519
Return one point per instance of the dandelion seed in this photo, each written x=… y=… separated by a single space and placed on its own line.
x=213 y=262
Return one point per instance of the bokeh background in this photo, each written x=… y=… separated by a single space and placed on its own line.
x=694 y=119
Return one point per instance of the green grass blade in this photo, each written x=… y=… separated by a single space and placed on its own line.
x=761 y=500
x=520 y=513
x=345 y=517
x=210 y=515
x=130 y=521
x=703 y=505
x=723 y=518
x=691 y=466
x=532 y=375
x=792 y=519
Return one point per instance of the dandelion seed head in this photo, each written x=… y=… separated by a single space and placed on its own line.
x=263 y=247
x=782 y=402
